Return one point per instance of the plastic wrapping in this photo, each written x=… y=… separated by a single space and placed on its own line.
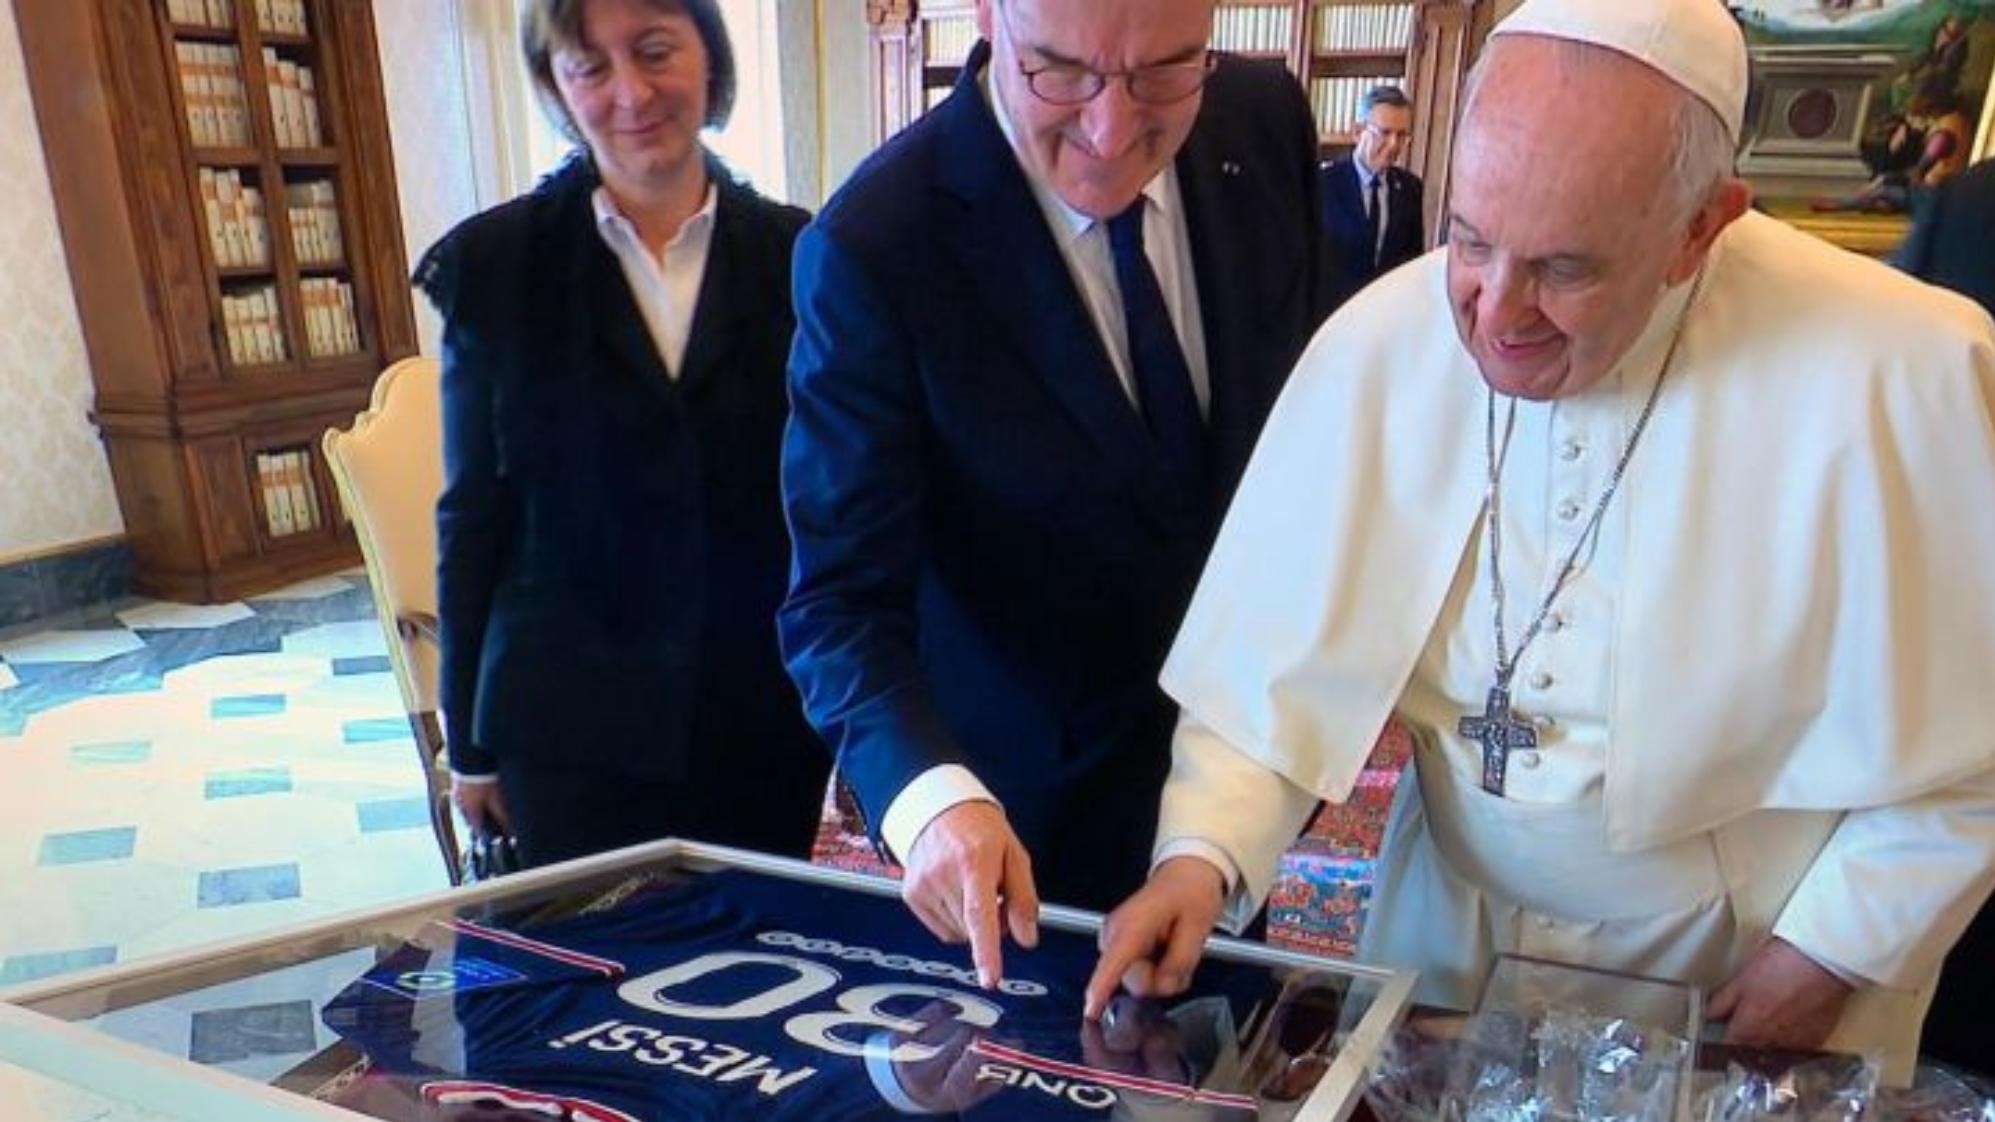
x=1549 y=1066
x=1808 y=1089
x=1503 y=1067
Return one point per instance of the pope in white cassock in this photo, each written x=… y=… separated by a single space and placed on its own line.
x=1668 y=529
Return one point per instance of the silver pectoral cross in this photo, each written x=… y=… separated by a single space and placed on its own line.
x=1499 y=730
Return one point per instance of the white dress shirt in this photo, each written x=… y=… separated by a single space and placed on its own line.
x=1083 y=243
x=666 y=286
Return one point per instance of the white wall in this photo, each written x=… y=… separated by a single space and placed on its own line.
x=55 y=484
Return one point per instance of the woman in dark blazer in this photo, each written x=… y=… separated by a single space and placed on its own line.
x=612 y=547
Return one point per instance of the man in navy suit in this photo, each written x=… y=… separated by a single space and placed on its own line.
x=1950 y=246
x=1372 y=207
x=1038 y=334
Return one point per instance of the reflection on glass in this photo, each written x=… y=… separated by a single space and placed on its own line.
x=664 y=993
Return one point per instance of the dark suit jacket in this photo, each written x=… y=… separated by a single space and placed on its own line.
x=1344 y=218
x=1953 y=245
x=990 y=564
x=612 y=549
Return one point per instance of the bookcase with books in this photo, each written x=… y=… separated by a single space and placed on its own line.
x=1337 y=49
x=226 y=193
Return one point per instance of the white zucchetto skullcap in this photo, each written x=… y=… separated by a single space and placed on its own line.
x=1694 y=43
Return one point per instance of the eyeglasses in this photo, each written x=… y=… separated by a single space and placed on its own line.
x=1162 y=84
x=1068 y=84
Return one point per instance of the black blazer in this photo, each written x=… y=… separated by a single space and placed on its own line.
x=990 y=562
x=1953 y=243
x=611 y=541
x=1344 y=218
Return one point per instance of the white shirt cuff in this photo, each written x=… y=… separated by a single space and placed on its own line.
x=474 y=780
x=923 y=800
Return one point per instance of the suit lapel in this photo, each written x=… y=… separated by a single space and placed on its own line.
x=610 y=308
x=720 y=304
x=1003 y=241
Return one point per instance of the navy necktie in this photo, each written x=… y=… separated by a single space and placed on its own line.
x=1375 y=219
x=1163 y=378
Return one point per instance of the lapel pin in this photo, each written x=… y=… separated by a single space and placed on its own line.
x=1229 y=167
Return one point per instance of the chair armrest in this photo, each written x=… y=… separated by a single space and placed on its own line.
x=412 y=626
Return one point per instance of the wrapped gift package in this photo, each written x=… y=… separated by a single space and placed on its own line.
x=1324 y=884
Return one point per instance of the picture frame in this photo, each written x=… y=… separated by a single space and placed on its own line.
x=1860 y=108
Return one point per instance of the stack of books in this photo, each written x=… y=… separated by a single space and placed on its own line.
x=314 y=214
x=238 y=231
x=330 y=328
x=254 y=326
x=212 y=90
x=290 y=494
x=294 y=102
x=1252 y=28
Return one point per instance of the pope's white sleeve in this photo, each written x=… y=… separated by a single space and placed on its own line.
x=1896 y=885
x=1217 y=795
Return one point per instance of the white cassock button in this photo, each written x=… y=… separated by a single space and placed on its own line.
x=1527 y=759
x=1541 y=681
x=1556 y=622
x=1568 y=510
x=1571 y=450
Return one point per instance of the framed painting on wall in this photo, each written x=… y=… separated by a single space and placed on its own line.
x=1859 y=108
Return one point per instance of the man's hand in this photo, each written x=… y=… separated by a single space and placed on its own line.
x=482 y=805
x=1780 y=999
x=966 y=866
x=1152 y=942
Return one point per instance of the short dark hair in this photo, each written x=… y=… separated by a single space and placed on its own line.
x=1386 y=95
x=548 y=25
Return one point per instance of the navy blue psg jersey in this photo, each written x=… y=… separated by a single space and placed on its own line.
x=741 y=996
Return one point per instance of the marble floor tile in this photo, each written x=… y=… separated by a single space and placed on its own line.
x=183 y=617
x=205 y=926
x=261 y=672
x=362 y=664
x=101 y=903
x=228 y=888
x=223 y=801
x=70 y=646
x=111 y=844
x=373 y=729
x=16 y=969
x=255 y=781
x=111 y=752
x=377 y=868
x=225 y=1035
x=273 y=829
x=318 y=588
x=250 y=705
x=409 y=813
x=349 y=639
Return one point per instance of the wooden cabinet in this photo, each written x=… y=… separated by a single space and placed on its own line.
x=226 y=193
x=1337 y=49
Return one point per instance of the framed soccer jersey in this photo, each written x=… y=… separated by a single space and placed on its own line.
x=683 y=983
